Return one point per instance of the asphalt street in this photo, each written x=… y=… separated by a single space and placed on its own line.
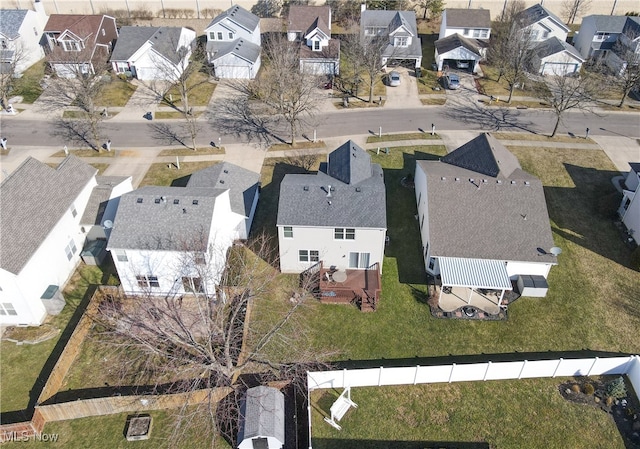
x=44 y=132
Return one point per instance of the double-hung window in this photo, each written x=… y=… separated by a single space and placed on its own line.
x=70 y=249
x=148 y=281
x=344 y=233
x=288 y=232
x=309 y=255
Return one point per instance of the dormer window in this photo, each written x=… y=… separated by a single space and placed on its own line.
x=71 y=46
x=316 y=45
x=401 y=41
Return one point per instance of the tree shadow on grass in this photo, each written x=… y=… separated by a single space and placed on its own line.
x=333 y=443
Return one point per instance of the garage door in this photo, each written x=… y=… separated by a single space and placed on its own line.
x=554 y=68
x=318 y=68
x=233 y=71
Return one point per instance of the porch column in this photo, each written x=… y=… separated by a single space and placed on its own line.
x=501 y=296
x=470 y=295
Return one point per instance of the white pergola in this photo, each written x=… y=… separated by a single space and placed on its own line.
x=474 y=274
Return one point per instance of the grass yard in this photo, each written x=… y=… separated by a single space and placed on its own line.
x=404 y=136
x=200 y=92
x=100 y=167
x=28 y=86
x=433 y=101
x=541 y=138
x=21 y=365
x=107 y=432
x=159 y=175
x=166 y=115
x=86 y=153
x=506 y=414
x=115 y=93
x=489 y=85
x=190 y=152
x=592 y=302
x=300 y=145
x=428 y=82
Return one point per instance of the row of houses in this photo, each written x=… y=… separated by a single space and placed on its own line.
x=483 y=223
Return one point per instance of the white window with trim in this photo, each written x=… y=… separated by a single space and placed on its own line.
x=220 y=35
x=121 y=256
x=480 y=34
x=344 y=233
x=6 y=308
x=308 y=255
x=148 y=281
x=288 y=232
x=192 y=284
x=71 y=46
x=70 y=249
x=401 y=41
x=466 y=31
x=359 y=260
x=230 y=36
x=212 y=35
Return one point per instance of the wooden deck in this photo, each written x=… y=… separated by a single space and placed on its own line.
x=361 y=287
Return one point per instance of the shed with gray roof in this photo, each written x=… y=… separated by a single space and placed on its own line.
x=262 y=417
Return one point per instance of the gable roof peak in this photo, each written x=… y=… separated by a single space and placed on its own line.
x=484 y=155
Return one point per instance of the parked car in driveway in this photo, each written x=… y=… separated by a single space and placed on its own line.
x=462 y=65
x=394 y=79
x=451 y=81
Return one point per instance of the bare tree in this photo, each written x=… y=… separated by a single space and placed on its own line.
x=626 y=65
x=80 y=85
x=9 y=74
x=209 y=337
x=179 y=69
x=285 y=91
x=511 y=52
x=433 y=8
x=363 y=54
x=344 y=12
x=564 y=93
x=575 y=8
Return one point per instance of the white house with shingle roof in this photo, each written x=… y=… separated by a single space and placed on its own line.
x=310 y=26
x=174 y=240
x=233 y=43
x=153 y=53
x=40 y=237
x=483 y=220
x=337 y=216
x=20 y=34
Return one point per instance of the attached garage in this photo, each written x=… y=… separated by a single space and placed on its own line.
x=555 y=57
x=455 y=48
x=319 y=67
x=237 y=59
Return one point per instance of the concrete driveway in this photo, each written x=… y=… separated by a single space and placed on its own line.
x=406 y=94
x=620 y=149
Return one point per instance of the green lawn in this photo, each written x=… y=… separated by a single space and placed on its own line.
x=490 y=86
x=28 y=86
x=506 y=414
x=21 y=365
x=160 y=175
x=200 y=91
x=541 y=138
x=115 y=93
x=190 y=152
x=107 y=432
x=403 y=136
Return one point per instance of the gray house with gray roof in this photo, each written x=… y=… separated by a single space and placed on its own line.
x=169 y=240
x=153 y=53
x=483 y=220
x=336 y=216
x=40 y=237
x=233 y=44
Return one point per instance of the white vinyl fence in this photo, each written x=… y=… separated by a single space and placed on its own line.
x=524 y=369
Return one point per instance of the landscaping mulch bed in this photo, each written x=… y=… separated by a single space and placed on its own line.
x=625 y=412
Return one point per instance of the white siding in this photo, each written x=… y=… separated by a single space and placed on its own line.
x=28 y=43
x=48 y=266
x=515 y=268
x=631 y=218
x=332 y=251
x=230 y=66
x=546 y=29
x=226 y=26
x=562 y=63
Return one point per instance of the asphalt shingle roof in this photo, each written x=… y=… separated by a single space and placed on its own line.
x=33 y=199
x=238 y=15
x=484 y=155
x=99 y=197
x=446 y=44
x=164 y=40
x=554 y=45
x=378 y=18
x=611 y=24
x=476 y=215
x=158 y=217
x=263 y=412
x=307 y=18
x=242 y=182
x=536 y=13
x=468 y=18
x=356 y=200
x=241 y=48
x=11 y=21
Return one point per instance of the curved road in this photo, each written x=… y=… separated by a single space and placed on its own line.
x=28 y=132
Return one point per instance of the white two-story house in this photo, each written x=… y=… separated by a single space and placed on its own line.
x=310 y=26
x=40 y=236
x=174 y=240
x=547 y=36
x=400 y=28
x=463 y=39
x=20 y=34
x=336 y=220
x=79 y=44
x=233 y=44
x=153 y=53
x=629 y=210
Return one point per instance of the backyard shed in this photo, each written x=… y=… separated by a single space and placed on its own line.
x=530 y=285
x=262 y=419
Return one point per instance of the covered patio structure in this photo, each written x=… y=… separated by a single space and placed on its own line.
x=480 y=283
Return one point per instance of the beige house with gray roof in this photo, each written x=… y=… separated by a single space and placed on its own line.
x=483 y=220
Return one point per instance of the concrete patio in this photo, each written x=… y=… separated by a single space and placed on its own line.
x=459 y=297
